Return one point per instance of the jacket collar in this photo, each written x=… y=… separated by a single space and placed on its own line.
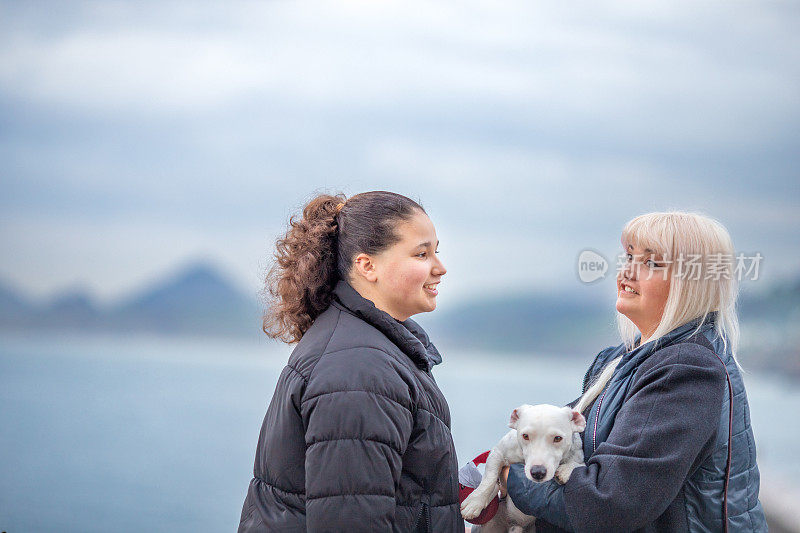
x=408 y=335
x=631 y=360
x=604 y=410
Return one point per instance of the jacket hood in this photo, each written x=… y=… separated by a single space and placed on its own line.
x=631 y=360
x=407 y=335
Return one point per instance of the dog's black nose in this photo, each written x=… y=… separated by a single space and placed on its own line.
x=538 y=472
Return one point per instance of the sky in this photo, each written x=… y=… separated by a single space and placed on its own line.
x=136 y=137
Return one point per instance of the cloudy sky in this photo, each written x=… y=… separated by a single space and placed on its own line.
x=136 y=137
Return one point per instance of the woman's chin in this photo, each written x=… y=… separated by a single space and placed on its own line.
x=623 y=305
x=427 y=307
x=430 y=301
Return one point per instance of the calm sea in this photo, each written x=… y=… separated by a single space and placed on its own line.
x=131 y=434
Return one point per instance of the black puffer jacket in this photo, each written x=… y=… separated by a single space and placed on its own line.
x=357 y=436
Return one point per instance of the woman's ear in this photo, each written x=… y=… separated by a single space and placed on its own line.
x=364 y=267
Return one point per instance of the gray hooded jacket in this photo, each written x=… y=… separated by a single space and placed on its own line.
x=656 y=445
x=357 y=435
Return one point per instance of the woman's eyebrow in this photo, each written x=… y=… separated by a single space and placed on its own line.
x=648 y=250
x=426 y=244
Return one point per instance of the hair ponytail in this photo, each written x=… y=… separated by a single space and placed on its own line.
x=317 y=251
x=302 y=279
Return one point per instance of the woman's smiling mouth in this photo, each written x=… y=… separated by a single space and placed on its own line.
x=431 y=288
x=627 y=289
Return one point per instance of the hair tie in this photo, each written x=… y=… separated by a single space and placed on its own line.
x=339 y=208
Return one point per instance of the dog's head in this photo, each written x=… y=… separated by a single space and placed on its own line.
x=544 y=433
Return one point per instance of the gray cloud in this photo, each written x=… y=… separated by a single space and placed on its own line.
x=135 y=135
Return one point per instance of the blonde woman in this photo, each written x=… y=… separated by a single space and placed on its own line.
x=668 y=442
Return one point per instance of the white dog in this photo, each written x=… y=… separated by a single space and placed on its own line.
x=546 y=439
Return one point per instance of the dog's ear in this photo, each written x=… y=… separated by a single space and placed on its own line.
x=578 y=421
x=514 y=417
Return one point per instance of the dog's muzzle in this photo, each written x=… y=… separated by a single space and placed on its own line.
x=538 y=472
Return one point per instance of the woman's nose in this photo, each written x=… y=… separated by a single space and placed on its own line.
x=627 y=270
x=439 y=268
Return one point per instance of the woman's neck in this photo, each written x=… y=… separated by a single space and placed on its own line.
x=368 y=292
x=646 y=333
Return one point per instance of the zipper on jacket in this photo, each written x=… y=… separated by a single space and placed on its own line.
x=597 y=418
x=423 y=522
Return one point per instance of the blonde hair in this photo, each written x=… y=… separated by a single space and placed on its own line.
x=680 y=238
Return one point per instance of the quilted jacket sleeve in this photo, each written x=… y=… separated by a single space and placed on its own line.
x=357 y=412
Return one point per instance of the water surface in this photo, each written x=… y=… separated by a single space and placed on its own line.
x=130 y=434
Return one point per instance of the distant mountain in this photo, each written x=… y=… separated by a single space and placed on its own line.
x=780 y=303
x=73 y=309
x=771 y=329
x=198 y=300
x=194 y=300
x=14 y=308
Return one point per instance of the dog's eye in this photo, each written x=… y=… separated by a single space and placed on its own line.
x=525 y=436
x=557 y=439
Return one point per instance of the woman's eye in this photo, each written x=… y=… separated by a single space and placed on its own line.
x=422 y=254
x=557 y=439
x=652 y=264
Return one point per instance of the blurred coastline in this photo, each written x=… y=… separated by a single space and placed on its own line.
x=198 y=300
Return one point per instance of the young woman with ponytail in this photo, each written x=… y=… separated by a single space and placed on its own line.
x=357 y=435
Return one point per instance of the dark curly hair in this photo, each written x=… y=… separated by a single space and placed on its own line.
x=318 y=250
